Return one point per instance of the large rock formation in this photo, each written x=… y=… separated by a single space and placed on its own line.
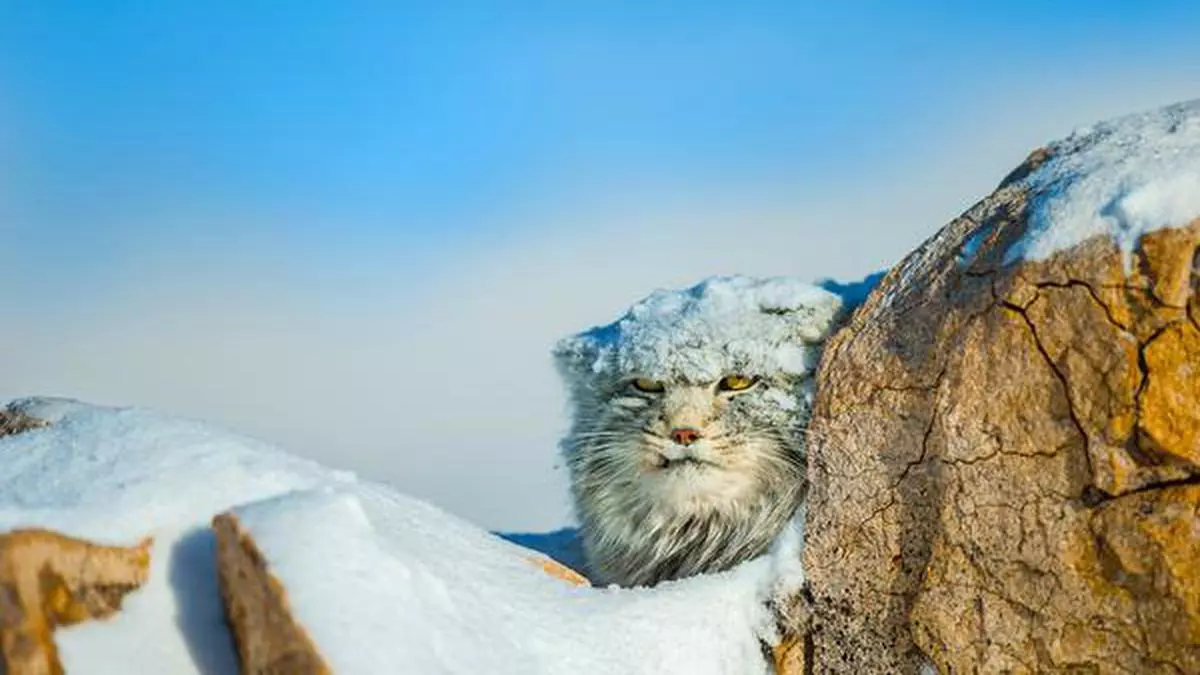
x=1005 y=452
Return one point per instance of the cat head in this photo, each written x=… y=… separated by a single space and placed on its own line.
x=694 y=400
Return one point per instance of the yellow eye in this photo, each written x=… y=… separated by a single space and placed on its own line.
x=648 y=386
x=735 y=383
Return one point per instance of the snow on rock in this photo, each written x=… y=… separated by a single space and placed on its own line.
x=430 y=593
x=116 y=475
x=382 y=582
x=1123 y=178
x=721 y=325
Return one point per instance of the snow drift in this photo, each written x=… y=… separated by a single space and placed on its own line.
x=381 y=582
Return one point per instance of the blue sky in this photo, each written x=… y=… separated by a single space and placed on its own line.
x=396 y=123
x=207 y=197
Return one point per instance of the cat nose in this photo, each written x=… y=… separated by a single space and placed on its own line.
x=685 y=435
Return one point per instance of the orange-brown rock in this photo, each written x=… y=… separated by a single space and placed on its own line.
x=558 y=570
x=1005 y=459
x=269 y=638
x=790 y=655
x=47 y=580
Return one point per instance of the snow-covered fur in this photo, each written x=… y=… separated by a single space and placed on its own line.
x=655 y=505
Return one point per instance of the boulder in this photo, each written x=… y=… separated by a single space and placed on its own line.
x=1005 y=448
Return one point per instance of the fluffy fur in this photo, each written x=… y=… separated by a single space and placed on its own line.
x=651 y=509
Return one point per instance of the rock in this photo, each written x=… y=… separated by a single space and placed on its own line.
x=268 y=636
x=1005 y=451
x=558 y=570
x=789 y=656
x=48 y=580
x=14 y=421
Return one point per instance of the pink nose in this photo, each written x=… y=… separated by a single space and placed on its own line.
x=685 y=435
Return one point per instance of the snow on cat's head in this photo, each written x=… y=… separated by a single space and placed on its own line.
x=723 y=324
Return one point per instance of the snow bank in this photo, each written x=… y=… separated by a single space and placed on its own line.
x=1122 y=178
x=382 y=582
x=719 y=326
x=114 y=476
x=415 y=590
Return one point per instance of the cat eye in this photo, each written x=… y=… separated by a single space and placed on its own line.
x=648 y=386
x=736 y=383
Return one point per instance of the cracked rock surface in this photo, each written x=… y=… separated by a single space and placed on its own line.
x=1005 y=459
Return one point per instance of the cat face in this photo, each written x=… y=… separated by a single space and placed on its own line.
x=691 y=446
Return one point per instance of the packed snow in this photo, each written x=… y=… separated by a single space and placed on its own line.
x=115 y=476
x=382 y=582
x=719 y=326
x=1123 y=178
x=464 y=602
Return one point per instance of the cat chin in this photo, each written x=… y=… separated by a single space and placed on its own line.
x=690 y=487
